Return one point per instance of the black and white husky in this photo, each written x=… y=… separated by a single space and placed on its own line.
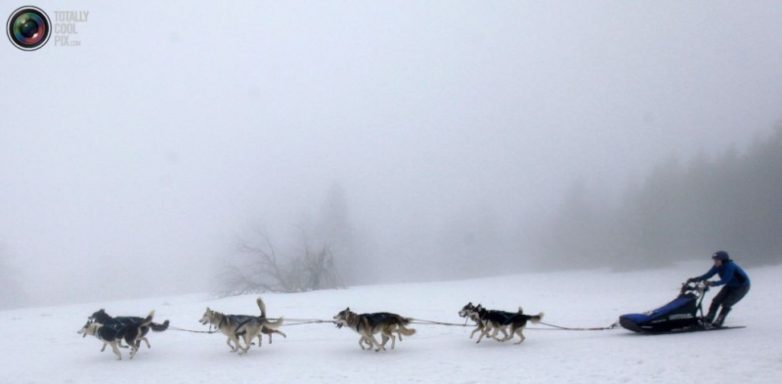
x=102 y=317
x=111 y=334
x=509 y=323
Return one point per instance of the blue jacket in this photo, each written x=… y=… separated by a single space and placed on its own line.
x=731 y=275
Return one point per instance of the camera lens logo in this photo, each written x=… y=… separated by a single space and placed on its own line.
x=29 y=28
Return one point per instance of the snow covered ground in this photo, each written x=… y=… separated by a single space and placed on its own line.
x=40 y=345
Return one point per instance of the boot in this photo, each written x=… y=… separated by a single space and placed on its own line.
x=712 y=312
x=721 y=318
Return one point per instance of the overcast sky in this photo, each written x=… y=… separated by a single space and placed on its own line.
x=130 y=164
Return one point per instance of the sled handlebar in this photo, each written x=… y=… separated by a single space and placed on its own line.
x=699 y=286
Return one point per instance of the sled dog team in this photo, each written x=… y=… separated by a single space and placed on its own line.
x=241 y=330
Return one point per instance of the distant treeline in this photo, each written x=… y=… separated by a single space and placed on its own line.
x=727 y=201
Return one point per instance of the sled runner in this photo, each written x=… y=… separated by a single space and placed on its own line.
x=680 y=315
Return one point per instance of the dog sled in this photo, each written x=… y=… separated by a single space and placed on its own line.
x=683 y=314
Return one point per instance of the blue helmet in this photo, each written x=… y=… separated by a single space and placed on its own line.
x=720 y=255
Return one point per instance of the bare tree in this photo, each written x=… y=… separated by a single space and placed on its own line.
x=305 y=269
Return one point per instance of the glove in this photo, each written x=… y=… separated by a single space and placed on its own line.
x=692 y=279
x=707 y=283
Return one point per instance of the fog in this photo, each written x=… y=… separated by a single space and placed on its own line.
x=448 y=135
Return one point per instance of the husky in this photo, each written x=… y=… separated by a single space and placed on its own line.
x=111 y=334
x=368 y=324
x=102 y=317
x=509 y=323
x=248 y=327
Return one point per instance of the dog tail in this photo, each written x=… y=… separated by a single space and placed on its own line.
x=261 y=306
x=537 y=318
x=148 y=320
x=159 y=327
x=273 y=325
x=406 y=331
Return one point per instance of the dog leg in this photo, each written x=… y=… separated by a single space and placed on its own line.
x=521 y=335
x=369 y=344
x=484 y=332
x=384 y=340
x=144 y=339
x=104 y=346
x=361 y=343
x=248 y=339
x=505 y=334
x=233 y=348
x=238 y=343
x=116 y=350
x=399 y=335
x=512 y=333
x=494 y=334
x=374 y=343
x=247 y=342
x=398 y=329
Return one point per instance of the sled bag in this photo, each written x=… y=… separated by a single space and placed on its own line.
x=679 y=313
